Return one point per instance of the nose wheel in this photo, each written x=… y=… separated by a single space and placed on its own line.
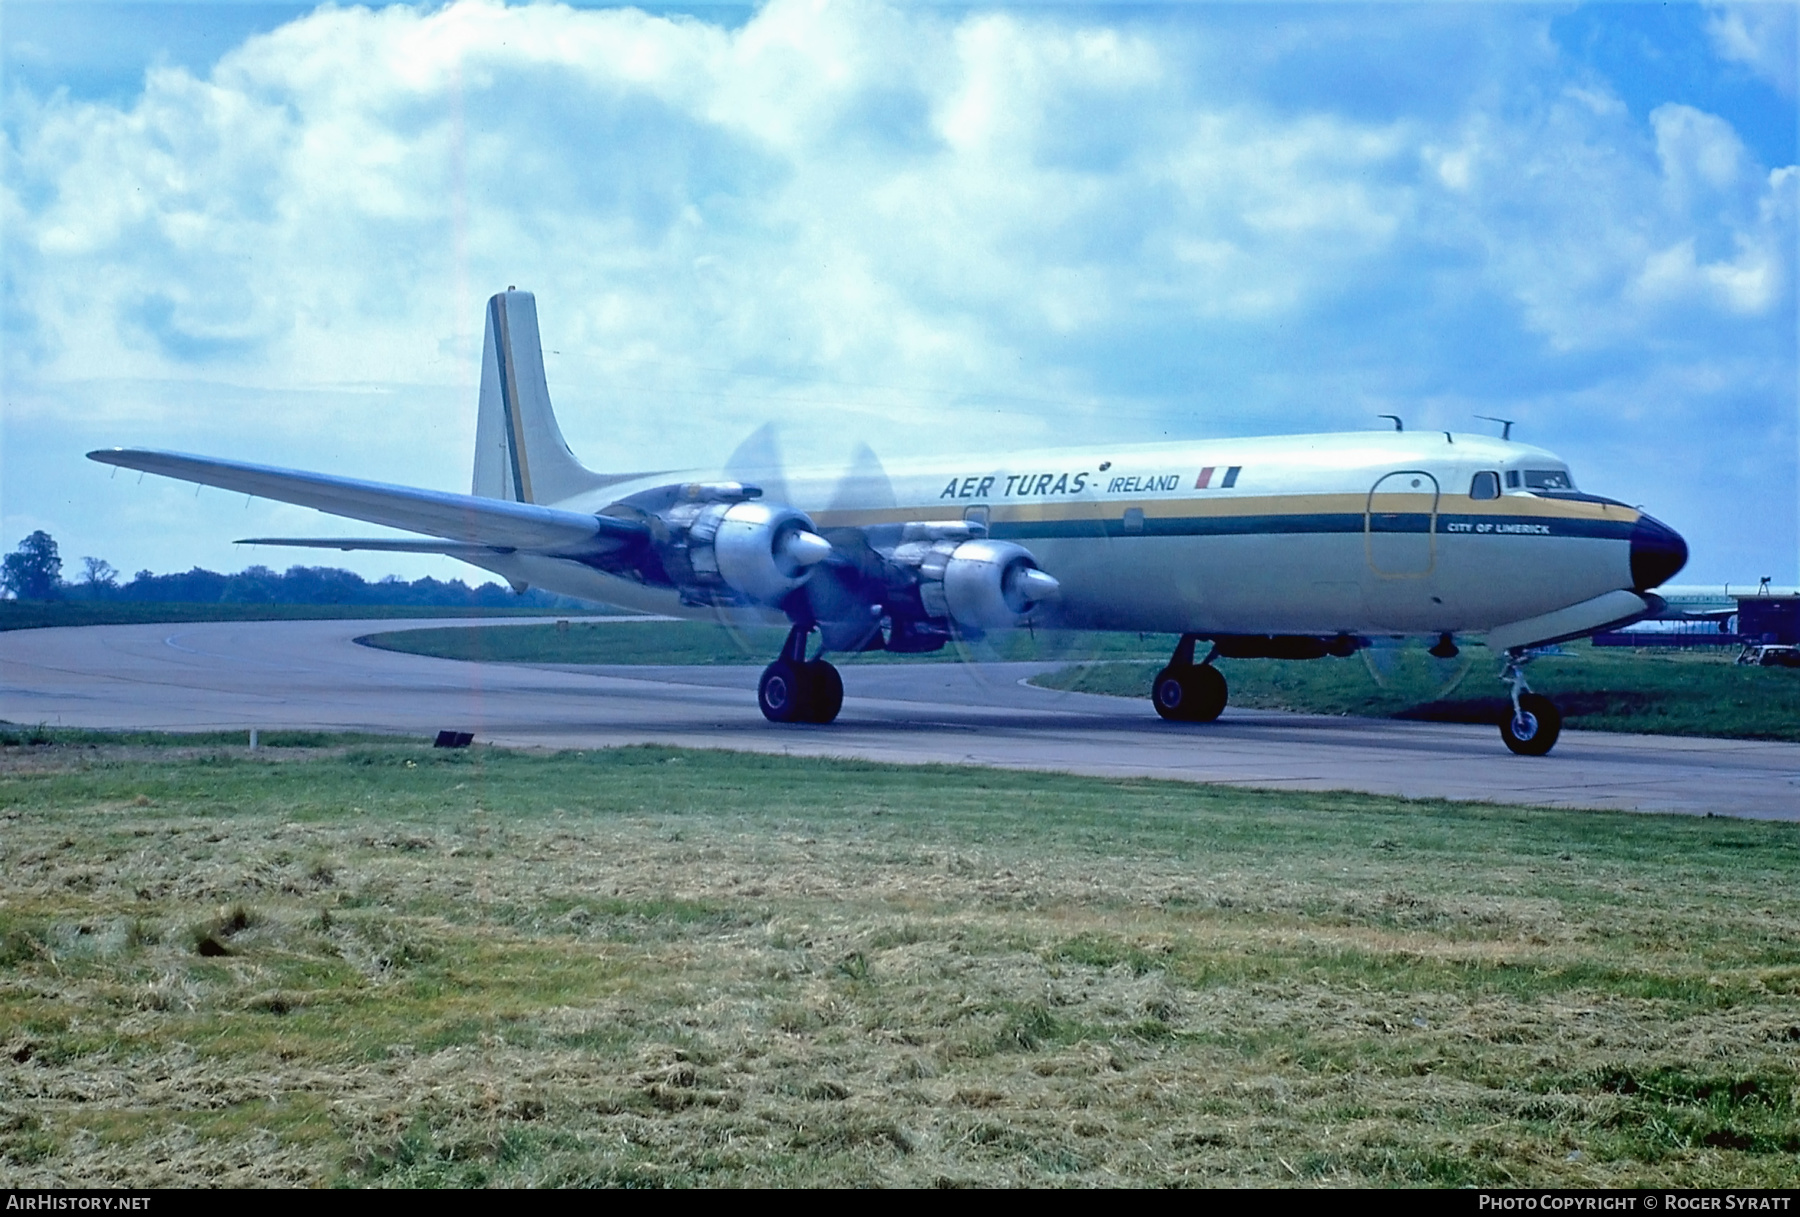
x=1187 y=692
x=1535 y=723
x=795 y=689
x=1533 y=727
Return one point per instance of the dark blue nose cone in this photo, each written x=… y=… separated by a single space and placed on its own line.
x=1657 y=552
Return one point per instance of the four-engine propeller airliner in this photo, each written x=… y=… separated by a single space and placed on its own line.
x=1295 y=547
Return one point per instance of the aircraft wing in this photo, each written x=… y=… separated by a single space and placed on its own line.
x=488 y=523
x=455 y=549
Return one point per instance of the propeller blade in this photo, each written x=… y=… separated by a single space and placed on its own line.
x=1447 y=674
x=1043 y=641
x=864 y=486
x=740 y=622
x=757 y=462
x=1382 y=658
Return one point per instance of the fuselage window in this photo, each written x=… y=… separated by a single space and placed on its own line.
x=1547 y=479
x=1512 y=479
x=1485 y=486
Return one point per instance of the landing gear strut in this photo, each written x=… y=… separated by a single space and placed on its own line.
x=1186 y=691
x=795 y=689
x=1535 y=723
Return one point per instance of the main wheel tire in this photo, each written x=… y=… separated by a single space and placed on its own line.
x=824 y=694
x=1533 y=731
x=1169 y=694
x=1190 y=694
x=783 y=693
x=1210 y=692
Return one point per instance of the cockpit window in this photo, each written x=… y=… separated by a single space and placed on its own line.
x=1548 y=479
x=1486 y=485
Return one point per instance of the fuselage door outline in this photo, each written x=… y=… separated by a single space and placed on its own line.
x=1399 y=539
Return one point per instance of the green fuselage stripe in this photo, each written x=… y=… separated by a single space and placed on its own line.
x=1315 y=522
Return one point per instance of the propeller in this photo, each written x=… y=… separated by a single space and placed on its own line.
x=839 y=590
x=1393 y=663
x=843 y=589
x=757 y=462
x=865 y=485
x=833 y=591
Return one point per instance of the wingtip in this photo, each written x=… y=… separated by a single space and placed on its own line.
x=119 y=456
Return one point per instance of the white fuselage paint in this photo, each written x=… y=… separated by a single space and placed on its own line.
x=1314 y=534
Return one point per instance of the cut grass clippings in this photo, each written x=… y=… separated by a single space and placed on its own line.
x=393 y=965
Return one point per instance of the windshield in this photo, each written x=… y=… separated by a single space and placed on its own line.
x=1548 y=479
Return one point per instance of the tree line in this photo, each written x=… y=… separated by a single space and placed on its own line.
x=33 y=571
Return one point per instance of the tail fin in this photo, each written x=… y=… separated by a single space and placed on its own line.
x=520 y=453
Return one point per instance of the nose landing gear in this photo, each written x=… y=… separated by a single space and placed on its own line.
x=1535 y=722
x=795 y=689
x=1188 y=692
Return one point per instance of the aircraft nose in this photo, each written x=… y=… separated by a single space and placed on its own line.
x=1657 y=552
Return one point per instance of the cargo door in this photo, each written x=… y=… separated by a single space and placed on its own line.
x=1400 y=524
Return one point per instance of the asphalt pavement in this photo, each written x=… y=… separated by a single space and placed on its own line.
x=313 y=674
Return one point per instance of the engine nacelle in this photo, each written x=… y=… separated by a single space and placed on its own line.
x=714 y=541
x=983 y=585
x=760 y=550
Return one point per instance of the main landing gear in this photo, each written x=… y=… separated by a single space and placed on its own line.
x=795 y=689
x=1535 y=722
x=1186 y=691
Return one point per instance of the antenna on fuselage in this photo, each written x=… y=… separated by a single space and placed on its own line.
x=1398 y=425
x=1506 y=424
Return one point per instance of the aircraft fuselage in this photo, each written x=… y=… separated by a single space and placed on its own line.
x=1364 y=532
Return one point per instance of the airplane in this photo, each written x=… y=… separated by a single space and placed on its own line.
x=1290 y=547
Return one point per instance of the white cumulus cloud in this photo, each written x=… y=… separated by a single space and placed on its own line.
x=922 y=227
x=1761 y=35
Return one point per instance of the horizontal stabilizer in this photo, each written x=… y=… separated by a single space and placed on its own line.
x=459 y=517
x=455 y=549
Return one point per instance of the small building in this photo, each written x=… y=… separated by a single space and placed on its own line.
x=1769 y=620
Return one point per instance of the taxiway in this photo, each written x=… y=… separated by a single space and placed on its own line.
x=313 y=674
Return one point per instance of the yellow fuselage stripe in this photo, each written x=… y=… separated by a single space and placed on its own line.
x=1237 y=505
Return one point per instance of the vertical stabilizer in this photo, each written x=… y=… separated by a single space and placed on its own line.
x=520 y=453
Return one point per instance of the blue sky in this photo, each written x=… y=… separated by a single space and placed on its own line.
x=265 y=231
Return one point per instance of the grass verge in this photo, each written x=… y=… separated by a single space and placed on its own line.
x=392 y=965
x=26 y=735
x=1597 y=689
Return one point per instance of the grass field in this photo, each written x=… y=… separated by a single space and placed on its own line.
x=1597 y=689
x=38 y=614
x=392 y=965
